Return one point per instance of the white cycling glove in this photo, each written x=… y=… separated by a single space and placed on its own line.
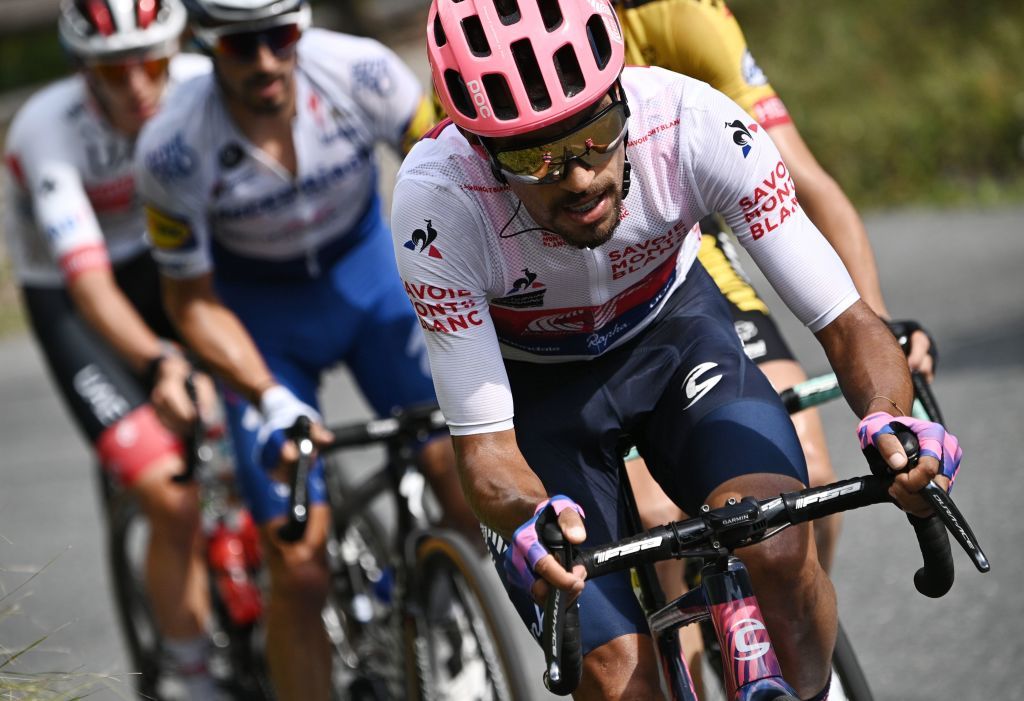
x=280 y=408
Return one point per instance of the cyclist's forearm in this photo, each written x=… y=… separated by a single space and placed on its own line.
x=868 y=362
x=217 y=336
x=105 y=308
x=832 y=212
x=500 y=487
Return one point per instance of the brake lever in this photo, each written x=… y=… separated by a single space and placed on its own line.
x=298 y=501
x=946 y=510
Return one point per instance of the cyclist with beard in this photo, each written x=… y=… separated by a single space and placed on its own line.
x=703 y=40
x=563 y=310
x=260 y=186
x=76 y=235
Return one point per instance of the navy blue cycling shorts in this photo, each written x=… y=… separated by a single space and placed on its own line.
x=356 y=313
x=698 y=409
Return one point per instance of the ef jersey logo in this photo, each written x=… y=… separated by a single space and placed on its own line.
x=742 y=135
x=694 y=389
x=748 y=647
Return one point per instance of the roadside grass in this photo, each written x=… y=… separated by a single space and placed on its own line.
x=18 y=685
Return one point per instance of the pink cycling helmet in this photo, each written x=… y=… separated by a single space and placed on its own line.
x=507 y=67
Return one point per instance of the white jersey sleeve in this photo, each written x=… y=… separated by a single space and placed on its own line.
x=172 y=184
x=446 y=284
x=377 y=80
x=739 y=173
x=45 y=172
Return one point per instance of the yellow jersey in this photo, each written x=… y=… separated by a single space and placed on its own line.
x=701 y=39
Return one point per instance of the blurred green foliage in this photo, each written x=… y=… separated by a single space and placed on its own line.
x=910 y=101
x=917 y=101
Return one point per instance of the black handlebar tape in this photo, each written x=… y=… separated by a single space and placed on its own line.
x=298 y=501
x=935 y=577
x=923 y=393
x=192 y=439
x=560 y=639
x=818 y=502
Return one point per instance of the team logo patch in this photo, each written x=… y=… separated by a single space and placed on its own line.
x=375 y=76
x=231 y=155
x=166 y=232
x=742 y=135
x=423 y=241
x=173 y=160
x=695 y=390
x=526 y=292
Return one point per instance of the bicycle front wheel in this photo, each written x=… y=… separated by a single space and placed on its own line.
x=848 y=679
x=462 y=641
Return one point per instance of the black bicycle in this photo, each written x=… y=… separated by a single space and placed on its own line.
x=232 y=558
x=412 y=611
x=724 y=596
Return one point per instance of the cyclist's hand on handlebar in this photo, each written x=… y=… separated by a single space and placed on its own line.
x=528 y=563
x=173 y=406
x=918 y=344
x=919 y=357
x=940 y=456
x=280 y=408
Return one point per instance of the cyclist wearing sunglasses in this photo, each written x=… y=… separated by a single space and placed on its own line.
x=260 y=184
x=76 y=236
x=563 y=308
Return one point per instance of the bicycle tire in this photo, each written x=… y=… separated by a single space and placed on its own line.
x=127 y=535
x=847 y=670
x=359 y=616
x=462 y=640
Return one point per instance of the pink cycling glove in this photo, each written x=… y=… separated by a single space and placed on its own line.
x=526 y=549
x=934 y=440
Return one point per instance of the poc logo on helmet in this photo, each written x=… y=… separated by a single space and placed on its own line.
x=476 y=91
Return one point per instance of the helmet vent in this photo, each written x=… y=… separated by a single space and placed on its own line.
x=440 y=39
x=475 y=36
x=599 y=41
x=500 y=96
x=569 y=73
x=529 y=72
x=550 y=13
x=145 y=12
x=460 y=95
x=508 y=11
x=98 y=14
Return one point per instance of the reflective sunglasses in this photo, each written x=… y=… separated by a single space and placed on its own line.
x=120 y=72
x=591 y=143
x=245 y=46
x=242 y=43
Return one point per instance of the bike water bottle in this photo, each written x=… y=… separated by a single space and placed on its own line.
x=240 y=594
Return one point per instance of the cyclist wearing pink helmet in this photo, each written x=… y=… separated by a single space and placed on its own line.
x=547 y=242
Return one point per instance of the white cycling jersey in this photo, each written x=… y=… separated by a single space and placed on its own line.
x=486 y=281
x=70 y=195
x=202 y=179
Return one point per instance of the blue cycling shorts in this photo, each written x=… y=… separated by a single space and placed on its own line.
x=699 y=410
x=356 y=313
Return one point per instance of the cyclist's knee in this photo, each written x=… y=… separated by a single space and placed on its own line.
x=786 y=563
x=171 y=508
x=298 y=571
x=622 y=668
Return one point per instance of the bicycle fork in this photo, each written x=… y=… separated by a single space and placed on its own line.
x=750 y=668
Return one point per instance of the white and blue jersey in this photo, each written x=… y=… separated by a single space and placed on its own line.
x=304 y=260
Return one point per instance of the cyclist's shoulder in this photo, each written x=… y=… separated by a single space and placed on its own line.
x=48 y=113
x=348 y=66
x=185 y=129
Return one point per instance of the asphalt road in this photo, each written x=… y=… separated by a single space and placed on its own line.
x=959 y=272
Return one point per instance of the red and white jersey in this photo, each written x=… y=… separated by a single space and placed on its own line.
x=488 y=282
x=70 y=197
